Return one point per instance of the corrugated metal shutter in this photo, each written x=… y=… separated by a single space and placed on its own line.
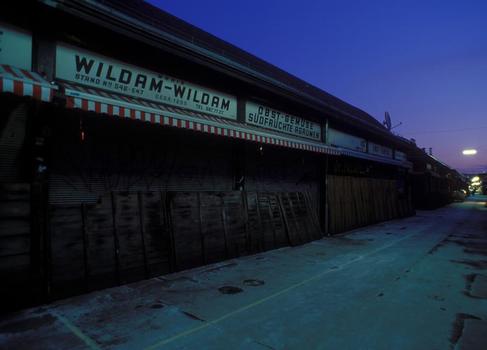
x=11 y=142
x=200 y=164
x=73 y=189
x=160 y=159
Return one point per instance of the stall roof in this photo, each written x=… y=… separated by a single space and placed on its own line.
x=150 y=18
x=184 y=30
x=419 y=155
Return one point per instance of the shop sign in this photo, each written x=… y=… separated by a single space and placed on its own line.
x=341 y=139
x=269 y=118
x=400 y=155
x=15 y=47
x=82 y=67
x=380 y=150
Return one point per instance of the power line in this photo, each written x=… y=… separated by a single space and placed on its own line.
x=442 y=131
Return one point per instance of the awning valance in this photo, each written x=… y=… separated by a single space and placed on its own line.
x=368 y=156
x=100 y=101
x=22 y=82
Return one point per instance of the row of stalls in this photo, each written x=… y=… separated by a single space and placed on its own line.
x=434 y=184
x=133 y=145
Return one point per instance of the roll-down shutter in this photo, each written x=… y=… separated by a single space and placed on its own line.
x=121 y=156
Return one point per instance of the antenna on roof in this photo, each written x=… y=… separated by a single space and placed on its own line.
x=395 y=126
x=387 y=121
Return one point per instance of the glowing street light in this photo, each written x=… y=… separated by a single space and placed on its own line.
x=469 y=152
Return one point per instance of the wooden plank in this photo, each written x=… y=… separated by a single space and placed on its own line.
x=168 y=231
x=67 y=271
x=10 y=265
x=254 y=222
x=356 y=201
x=291 y=231
x=67 y=255
x=245 y=216
x=212 y=228
x=200 y=228
x=101 y=252
x=185 y=222
x=331 y=205
x=309 y=216
x=159 y=233
x=39 y=214
x=15 y=209
x=261 y=232
x=14 y=227
x=314 y=219
x=14 y=245
x=116 y=243
x=235 y=223
x=85 y=240
x=225 y=228
x=15 y=274
x=269 y=228
x=15 y=192
x=296 y=218
x=47 y=260
x=128 y=235
x=360 y=188
x=277 y=221
x=305 y=216
x=353 y=204
x=142 y=233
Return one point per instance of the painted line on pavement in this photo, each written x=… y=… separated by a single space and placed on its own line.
x=272 y=296
x=76 y=331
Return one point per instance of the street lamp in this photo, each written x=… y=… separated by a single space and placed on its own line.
x=469 y=152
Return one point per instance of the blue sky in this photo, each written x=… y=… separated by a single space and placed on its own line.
x=423 y=61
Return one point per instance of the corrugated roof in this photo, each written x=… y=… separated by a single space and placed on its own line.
x=164 y=21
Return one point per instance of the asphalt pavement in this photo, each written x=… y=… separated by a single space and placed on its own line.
x=416 y=283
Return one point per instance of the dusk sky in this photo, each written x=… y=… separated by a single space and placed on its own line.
x=425 y=62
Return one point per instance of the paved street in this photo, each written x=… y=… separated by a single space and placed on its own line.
x=417 y=283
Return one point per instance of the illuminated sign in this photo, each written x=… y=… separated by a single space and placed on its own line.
x=270 y=118
x=93 y=70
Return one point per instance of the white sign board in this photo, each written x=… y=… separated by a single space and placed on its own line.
x=400 y=155
x=380 y=150
x=82 y=67
x=15 y=47
x=273 y=119
x=341 y=139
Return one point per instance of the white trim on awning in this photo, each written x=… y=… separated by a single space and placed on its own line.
x=95 y=100
x=22 y=82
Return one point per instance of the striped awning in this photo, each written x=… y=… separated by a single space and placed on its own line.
x=22 y=82
x=99 y=101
